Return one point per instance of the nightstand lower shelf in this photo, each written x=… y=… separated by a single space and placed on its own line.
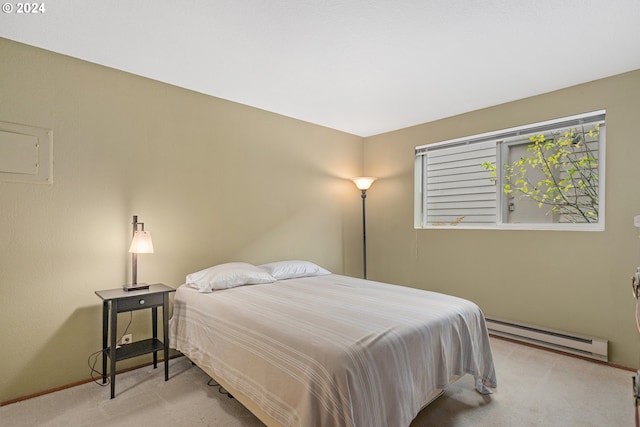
x=137 y=349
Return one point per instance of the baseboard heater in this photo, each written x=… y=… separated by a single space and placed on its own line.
x=590 y=347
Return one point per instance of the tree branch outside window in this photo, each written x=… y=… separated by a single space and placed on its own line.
x=568 y=161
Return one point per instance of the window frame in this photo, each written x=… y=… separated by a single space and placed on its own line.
x=503 y=139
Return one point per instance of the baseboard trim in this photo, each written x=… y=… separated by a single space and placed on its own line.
x=81 y=382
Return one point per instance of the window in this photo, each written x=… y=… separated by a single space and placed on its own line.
x=547 y=175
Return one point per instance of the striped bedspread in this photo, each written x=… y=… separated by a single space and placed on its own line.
x=332 y=350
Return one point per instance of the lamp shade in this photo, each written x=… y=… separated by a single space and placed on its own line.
x=364 y=182
x=141 y=243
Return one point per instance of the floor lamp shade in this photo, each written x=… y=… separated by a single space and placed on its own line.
x=364 y=182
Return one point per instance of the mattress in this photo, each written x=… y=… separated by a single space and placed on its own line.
x=332 y=350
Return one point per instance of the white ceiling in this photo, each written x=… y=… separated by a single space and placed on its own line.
x=360 y=66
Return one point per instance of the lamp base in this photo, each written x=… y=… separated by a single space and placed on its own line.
x=135 y=287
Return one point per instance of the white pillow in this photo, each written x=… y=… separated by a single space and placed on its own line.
x=229 y=275
x=292 y=269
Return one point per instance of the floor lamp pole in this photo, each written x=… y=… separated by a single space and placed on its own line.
x=364 y=234
x=363 y=183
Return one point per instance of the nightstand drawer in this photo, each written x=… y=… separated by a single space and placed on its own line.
x=139 y=302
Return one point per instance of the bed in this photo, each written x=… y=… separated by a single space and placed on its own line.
x=321 y=349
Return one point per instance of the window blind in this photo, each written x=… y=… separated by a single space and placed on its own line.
x=542 y=127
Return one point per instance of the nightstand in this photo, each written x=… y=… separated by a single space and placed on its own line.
x=119 y=301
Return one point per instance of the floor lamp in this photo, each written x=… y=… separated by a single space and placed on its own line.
x=364 y=183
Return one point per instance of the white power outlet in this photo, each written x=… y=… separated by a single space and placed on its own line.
x=127 y=339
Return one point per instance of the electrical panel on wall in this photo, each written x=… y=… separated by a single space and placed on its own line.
x=26 y=154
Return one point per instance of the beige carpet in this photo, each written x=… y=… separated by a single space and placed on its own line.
x=535 y=388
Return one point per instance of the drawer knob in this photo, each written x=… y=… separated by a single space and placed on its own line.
x=141 y=301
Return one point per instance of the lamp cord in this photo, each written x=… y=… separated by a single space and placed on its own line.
x=95 y=374
x=221 y=390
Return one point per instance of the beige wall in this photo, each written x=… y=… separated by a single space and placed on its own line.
x=573 y=281
x=213 y=181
